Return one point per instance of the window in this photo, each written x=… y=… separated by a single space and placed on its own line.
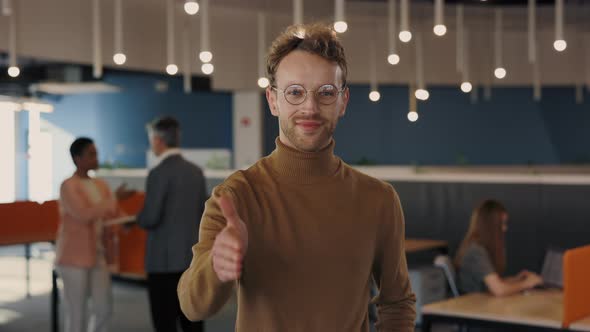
x=7 y=155
x=40 y=160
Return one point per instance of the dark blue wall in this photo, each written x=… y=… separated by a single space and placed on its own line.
x=568 y=124
x=116 y=121
x=510 y=128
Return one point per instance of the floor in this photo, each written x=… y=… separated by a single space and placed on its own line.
x=19 y=313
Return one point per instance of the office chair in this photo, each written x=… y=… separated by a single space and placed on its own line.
x=444 y=262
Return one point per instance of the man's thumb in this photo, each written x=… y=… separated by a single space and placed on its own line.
x=229 y=210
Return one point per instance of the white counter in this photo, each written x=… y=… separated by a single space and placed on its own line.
x=545 y=175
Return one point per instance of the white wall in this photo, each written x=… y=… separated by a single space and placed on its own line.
x=8 y=155
x=61 y=163
x=247 y=124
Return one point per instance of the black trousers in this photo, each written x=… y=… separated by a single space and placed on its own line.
x=164 y=304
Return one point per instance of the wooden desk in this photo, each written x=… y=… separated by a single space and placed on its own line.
x=414 y=245
x=542 y=309
x=581 y=325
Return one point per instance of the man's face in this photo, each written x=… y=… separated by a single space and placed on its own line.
x=310 y=125
x=156 y=144
x=88 y=159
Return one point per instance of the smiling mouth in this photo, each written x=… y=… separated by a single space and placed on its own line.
x=308 y=125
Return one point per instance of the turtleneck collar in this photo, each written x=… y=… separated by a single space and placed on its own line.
x=303 y=166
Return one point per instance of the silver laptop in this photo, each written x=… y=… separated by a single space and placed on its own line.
x=552 y=271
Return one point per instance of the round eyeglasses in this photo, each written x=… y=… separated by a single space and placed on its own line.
x=296 y=94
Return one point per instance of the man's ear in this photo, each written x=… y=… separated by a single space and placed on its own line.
x=345 y=98
x=271 y=98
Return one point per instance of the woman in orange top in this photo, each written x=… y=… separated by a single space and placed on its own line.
x=85 y=203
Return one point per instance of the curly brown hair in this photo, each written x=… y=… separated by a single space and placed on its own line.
x=315 y=38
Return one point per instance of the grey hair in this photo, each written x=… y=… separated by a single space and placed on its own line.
x=166 y=128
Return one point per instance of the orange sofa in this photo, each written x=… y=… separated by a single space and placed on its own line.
x=28 y=222
x=131 y=241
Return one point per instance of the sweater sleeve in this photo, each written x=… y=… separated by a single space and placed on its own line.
x=395 y=301
x=74 y=204
x=200 y=292
x=109 y=195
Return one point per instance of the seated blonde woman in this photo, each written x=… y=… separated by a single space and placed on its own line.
x=481 y=258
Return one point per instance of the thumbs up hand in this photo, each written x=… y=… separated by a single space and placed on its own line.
x=231 y=243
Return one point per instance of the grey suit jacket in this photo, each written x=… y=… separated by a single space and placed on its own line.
x=174 y=203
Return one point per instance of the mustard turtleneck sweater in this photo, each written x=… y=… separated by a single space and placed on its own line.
x=318 y=232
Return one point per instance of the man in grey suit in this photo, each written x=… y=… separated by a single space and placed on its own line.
x=174 y=202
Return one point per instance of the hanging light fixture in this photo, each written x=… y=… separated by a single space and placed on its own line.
x=405 y=35
x=6 y=7
x=459 y=43
x=421 y=92
x=119 y=57
x=340 y=24
x=374 y=94
x=96 y=38
x=13 y=69
x=186 y=57
x=440 y=29
x=466 y=84
x=559 y=44
x=487 y=82
x=205 y=55
x=413 y=109
x=580 y=48
x=536 y=79
x=263 y=82
x=191 y=7
x=171 y=68
x=297 y=11
x=207 y=68
x=393 y=57
x=532 y=27
x=532 y=49
x=500 y=71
